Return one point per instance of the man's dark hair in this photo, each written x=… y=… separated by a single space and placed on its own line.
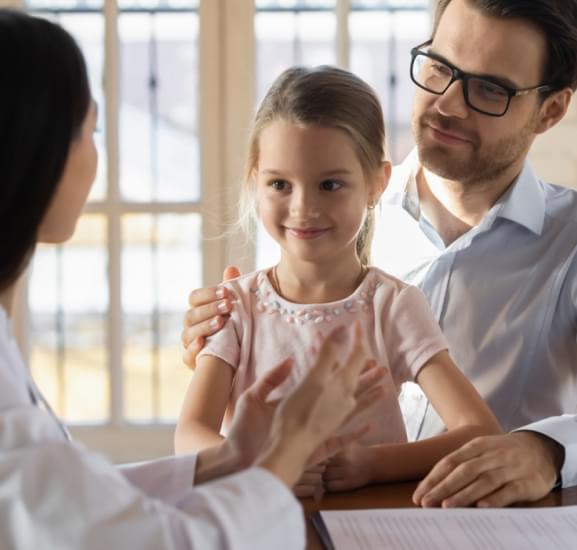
x=557 y=19
x=44 y=99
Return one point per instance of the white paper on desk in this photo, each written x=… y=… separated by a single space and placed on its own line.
x=456 y=529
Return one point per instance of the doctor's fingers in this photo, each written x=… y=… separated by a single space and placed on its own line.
x=337 y=443
x=370 y=376
x=356 y=362
x=269 y=381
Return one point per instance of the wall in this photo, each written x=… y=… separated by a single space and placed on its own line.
x=554 y=154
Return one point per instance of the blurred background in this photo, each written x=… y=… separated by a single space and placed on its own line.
x=177 y=82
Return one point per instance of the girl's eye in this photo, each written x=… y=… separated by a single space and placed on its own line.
x=331 y=185
x=279 y=185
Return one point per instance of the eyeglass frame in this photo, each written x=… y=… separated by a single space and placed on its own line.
x=458 y=74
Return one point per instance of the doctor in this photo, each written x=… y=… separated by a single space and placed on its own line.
x=53 y=492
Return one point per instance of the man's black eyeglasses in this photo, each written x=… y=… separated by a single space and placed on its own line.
x=483 y=94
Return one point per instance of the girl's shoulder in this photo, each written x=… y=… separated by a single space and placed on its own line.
x=390 y=291
x=386 y=282
x=247 y=283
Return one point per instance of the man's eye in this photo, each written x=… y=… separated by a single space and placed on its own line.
x=490 y=90
x=331 y=185
x=440 y=69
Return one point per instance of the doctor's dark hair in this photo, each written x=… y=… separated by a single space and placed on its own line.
x=556 y=19
x=44 y=99
x=323 y=96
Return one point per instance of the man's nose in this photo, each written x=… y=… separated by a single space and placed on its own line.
x=452 y=102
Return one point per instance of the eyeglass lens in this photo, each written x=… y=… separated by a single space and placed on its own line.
x=483 y=95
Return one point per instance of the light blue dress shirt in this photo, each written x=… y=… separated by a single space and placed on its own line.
x=562 y=429
x=504 y=293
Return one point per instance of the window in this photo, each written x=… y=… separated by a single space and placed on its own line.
x=177 y=82
x=372 y=38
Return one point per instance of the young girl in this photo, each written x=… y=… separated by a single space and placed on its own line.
x=315 y=172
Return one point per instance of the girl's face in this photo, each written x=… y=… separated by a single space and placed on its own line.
x=72 y=191
x=312 y=193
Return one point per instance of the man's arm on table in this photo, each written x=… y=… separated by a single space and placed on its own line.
x=500 y=470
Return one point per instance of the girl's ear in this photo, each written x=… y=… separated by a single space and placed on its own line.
x=380 y=182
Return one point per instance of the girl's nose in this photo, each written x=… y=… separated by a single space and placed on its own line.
x=303 y=206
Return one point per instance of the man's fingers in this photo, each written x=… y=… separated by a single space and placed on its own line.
x=444 y=471
x=230 y=272
x=202 y=330
x=205 y=312
x=510 y=493
x=271 y=380
x=191 y=352
x=203 y=296
x=474 y=473
x=486 y=484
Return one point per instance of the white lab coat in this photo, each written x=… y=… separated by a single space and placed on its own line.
x=55 y=494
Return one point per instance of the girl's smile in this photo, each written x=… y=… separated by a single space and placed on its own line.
x=306 y=233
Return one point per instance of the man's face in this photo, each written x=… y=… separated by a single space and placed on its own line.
x=458 y=143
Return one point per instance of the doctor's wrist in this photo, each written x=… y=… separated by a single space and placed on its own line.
x=285 y=459
x=218 y=461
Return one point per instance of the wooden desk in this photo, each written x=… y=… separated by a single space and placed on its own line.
x=396 y=496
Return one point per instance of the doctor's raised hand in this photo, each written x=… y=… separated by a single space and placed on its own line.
x=284 y=436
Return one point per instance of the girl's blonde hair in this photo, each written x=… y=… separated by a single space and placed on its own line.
x=324 y=96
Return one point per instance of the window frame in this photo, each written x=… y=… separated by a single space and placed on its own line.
x=227 y=83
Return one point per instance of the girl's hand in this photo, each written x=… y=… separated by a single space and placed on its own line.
x=209 y=309
x=348 y=470
x=311 y=482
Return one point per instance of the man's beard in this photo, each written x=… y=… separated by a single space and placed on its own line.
x=473 y=164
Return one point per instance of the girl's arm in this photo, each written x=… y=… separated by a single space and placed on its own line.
x=204 y=406
x=461 y=408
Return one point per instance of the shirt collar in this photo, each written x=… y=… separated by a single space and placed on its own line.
x=402 y=189
x=523 y=203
